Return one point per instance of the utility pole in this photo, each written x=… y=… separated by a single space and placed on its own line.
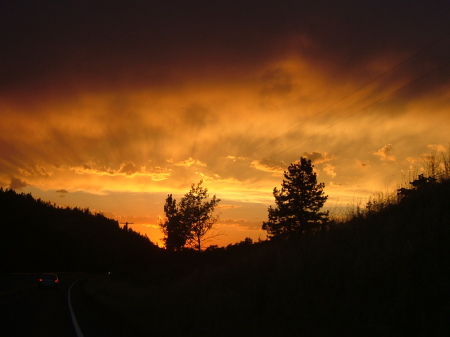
x=126 y=224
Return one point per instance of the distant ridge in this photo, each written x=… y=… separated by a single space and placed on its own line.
x=37 y=235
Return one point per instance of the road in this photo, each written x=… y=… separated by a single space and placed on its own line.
x=26 y=310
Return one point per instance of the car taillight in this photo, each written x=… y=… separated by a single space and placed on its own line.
x=56 y=281
x=40 y=280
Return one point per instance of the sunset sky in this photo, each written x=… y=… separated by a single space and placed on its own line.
x=113 y=105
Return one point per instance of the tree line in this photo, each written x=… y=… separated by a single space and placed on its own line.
x=297 y=210
x=382 y=272
x=298 y=204
x=37 y=235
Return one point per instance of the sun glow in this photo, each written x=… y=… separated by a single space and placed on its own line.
x=119 y=129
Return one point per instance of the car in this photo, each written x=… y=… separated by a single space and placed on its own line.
x=48 y=280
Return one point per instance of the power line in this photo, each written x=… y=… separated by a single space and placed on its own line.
x=126 y=224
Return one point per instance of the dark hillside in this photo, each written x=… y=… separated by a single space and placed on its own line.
x=37 y=236
x=383 y=273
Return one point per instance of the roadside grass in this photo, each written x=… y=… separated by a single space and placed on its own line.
x=384 y=271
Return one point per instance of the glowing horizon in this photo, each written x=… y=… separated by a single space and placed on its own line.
x=87 y=123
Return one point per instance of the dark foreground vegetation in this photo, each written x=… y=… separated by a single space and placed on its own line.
x=37 y=236
x=383 y=272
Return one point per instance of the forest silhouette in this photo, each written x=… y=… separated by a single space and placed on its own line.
x=38 y=236
x=384 y=270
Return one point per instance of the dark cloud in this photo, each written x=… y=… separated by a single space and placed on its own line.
x=17 y=184
x=317 y=157
x=65 y=46
x=62 y=191
x=197 y=116
x=128 y=169
x=276 y=82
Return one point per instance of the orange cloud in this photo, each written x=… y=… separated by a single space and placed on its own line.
x=362 y=164
x=190 y=162
x=385 y=153
x=266 y=165
x=329 y=170
x=168 y=109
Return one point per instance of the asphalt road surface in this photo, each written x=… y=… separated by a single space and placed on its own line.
x=95 y=321
x=26 y=310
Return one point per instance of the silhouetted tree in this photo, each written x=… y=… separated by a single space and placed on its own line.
x=189 y=222
x=175 y=231
x=417 y=185
x=298 y=202
x=197 y=214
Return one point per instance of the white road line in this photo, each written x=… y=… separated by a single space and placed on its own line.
x=72 y=314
